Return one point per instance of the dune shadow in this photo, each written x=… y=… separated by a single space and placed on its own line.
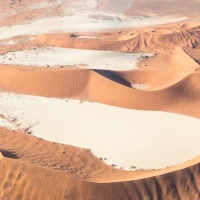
x=197 y=60
x=9 y=154
x=113 y=77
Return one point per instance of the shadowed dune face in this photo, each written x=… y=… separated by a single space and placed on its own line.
x=32 y=168
x=8 y=154
x=193 y=53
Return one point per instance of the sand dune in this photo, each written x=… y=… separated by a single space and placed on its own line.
x=160 y=40
x=176 y=185
x=193 y=52
x=76 y=161
x=91 y=86
x=65 y=158
x=41 y=33
x=157 y=39
x=23 y=181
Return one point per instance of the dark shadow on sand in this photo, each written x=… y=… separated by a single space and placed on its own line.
x=113 y=76
x=8 y=154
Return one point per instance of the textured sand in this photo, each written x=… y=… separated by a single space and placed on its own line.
x=181 y=184
x=32 y=168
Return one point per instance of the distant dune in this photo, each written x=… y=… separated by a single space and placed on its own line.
x=134 y=54
x=159 y=39
x=169 y=7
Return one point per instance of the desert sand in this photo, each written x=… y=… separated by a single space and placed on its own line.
x=99 y=100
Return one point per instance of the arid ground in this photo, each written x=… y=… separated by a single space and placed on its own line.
x=100 y=100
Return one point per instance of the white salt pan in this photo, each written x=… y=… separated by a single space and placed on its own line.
x=125 y=137
x=90 y=59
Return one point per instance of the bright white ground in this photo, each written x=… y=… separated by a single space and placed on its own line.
x=5 y=123
x=140 y=86
x=125 y=137
x=56 y=56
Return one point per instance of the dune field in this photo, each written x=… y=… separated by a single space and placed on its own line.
x=99 y=100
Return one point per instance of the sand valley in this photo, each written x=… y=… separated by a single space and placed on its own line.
x=99 y=100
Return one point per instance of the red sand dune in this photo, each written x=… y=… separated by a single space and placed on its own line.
x=159 y=39
x=37 y=169
x=22 y=180
x=84 y=84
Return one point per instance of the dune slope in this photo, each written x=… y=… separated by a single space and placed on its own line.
x=156 y=39
x=91 y=86
x=21 y=180
x=34 y=169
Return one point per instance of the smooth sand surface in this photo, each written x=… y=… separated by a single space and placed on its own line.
x=110 y=132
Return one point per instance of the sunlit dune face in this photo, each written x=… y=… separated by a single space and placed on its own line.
x=99 y=99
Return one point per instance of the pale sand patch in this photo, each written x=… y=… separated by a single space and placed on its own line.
x=7 y=42
x=87 y=37
x=125 y=137
x=140 y=86
x=7 y=124
x=90 y=59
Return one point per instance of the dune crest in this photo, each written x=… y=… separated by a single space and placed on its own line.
x=156 y=39
x=134 y=54
x=176 y=185
x=84 y=85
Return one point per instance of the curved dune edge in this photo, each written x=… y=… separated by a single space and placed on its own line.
x=161 y=71
x=172 y=89
x=75 y=161
x=37 y=182
x=155 y=39
x=88 y=85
